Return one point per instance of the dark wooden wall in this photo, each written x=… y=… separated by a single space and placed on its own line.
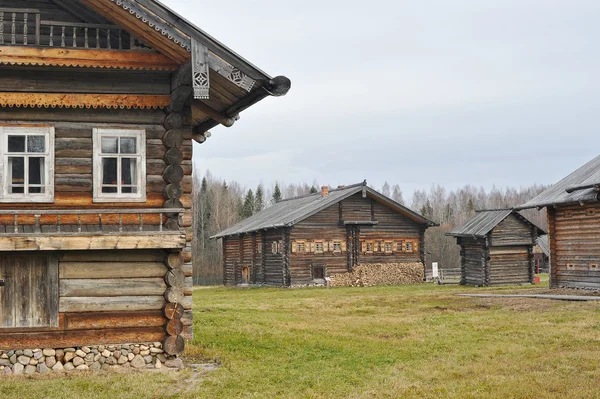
x=473 y=261
x=104 y=297
x=575 y=246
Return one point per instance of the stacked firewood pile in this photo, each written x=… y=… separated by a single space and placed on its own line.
x=380 y=274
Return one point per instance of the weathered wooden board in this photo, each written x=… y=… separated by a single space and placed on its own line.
x=30 y=296
x=65 y=339
x=111 y=320
x=112 y=287
x=58 y=243
x=111 y=270
x=110 y=304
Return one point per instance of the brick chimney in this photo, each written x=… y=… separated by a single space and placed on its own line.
x=324 y=191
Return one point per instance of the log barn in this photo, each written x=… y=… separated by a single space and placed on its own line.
x=573 y=211
x=99 y=103
x=303 y=240
x=497 y=248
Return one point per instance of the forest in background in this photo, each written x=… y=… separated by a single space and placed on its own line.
x=219 y=204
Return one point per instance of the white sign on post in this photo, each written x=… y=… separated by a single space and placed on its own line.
x=434 y=270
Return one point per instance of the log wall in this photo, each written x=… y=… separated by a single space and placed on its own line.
x=575 y=246
x=473 y=261
x=105 y=297
x=512 y=231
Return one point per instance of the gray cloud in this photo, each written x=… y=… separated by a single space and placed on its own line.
x=414 y=93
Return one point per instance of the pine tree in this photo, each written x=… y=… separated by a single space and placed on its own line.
x=258 y=199
x=385 y=190
x=248 y=207
x=313 y=190
x=276 y=194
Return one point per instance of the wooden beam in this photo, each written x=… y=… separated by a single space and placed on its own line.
x=91 y=242
x=89 y=58
x=112 y=304
x=67 y=100
x=224 y=120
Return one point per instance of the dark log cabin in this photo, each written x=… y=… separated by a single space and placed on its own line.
x=497 y=248
x=573 y=211
x=302 y=240
x=99 y=103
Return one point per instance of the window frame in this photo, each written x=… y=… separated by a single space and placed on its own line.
x=140 y=135
x=27 y=130
x=317 y=250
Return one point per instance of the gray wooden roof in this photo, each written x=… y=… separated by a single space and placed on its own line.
x=288 y=212
x=485 y=221
x=544 y=245
x=579 y=186
x=481 y=224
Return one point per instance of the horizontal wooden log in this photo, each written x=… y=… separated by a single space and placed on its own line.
x=187 y=254
x=174 y=345
x=173 y=311
x=175 y=278
x=92 y=242
x=103 y=320
x=188 y=318
x=174 y=138
x=187 y=302
x=173 y=121
x=111 y=270
x=174 y=260
x=110 y=304
x=188 y=286
x=187 y=269
x=66 y=339
x=112 y=287
x=114 y=256
x=174 y=295
x=173 y=174
x=174 y=327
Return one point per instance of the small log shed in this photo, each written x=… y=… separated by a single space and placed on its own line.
x=573 y=211
x=300 y=241
x=497 y=248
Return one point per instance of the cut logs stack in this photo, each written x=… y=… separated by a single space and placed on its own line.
x=173 y=309
x=367 y=275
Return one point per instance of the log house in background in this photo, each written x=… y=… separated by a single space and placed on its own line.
x=300 y=241
x=99 y=103
x=573 y=210
x=497 y=248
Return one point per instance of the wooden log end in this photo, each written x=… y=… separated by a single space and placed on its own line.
x=174 y=345
x=174 y=260
x=173 y=311
x=174 y=327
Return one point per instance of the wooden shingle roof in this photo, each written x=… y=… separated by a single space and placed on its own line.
x=579 y=186
x=287 y=213
x=485 y=221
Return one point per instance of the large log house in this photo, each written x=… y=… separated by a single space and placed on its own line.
x=573 y=210
x=99 y=103
x=303 y=240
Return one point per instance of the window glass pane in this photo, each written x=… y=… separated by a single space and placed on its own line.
x=36 y=144
x=36 y=170
x=129 y=171
x=16 y=170
x=16 y=143
x=128 y=145
x=129 y=190
x=109 y=172
x=109 y=190
x=109 y=145
x=37 y=190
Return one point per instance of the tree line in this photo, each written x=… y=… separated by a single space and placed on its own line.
x=219 y=204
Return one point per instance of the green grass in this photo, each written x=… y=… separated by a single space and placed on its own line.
x=419 y=341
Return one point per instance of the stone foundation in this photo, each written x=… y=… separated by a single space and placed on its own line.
x=98 y=357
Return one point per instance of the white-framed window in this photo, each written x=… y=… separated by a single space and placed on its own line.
x=119 y=165
x=337 y=246
x=300 y=247
x=319 y=247
x=27 y=163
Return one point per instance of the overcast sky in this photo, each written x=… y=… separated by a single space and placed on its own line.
x=417 y=92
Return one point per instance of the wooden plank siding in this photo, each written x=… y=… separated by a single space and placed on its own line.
x=103 y=297
x=512 y=231
x=473 y=264
x=575 y=246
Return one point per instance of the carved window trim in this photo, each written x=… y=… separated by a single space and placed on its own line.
x=337 y=247
x=410 y=246
x=319 y=247
x=369 y=246
x=140 y=135
x=388 y=247
x=48 y=154
x=274 y=247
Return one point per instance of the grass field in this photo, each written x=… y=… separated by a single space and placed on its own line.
x=419 y=341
